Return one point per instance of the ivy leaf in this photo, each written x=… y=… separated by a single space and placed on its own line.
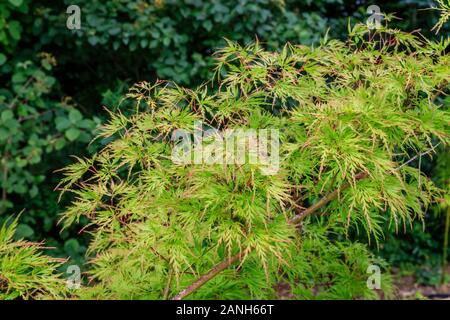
x=144 y=43
x=59 y=144
x=208 y=25
x=15 y=29
x=62 y=123
x=18 y=77
x=16 y=3
x=114 y=31
x=72 y=246
x=72 y=134
x=93 y=40
x=3 y=134
x=75 y=116
x=7 y=115
x=23 y=231
x=2 y=59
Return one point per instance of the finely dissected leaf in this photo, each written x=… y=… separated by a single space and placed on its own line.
x=24 y=271
x=350 y=117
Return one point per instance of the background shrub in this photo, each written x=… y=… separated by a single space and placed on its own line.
x=54 y=83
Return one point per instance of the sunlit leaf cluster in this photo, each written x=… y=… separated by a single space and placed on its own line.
x=351 y=115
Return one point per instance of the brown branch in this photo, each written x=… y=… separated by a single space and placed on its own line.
x=329 y=197
x=169 y=282
x=208 y=276
x=237 y=257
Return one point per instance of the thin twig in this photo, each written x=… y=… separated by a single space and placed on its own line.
x=419 y=155
x=169 y=282
x=237 y=257
x=208 y=276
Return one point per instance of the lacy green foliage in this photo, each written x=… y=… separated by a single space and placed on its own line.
x=334 y=269
x=318 y=269
x=24 y=271
x=124 y=41
x=421 y=250
x=341 y=109
x=444 y=10
x=133 y=40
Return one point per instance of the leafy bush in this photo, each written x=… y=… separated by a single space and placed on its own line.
x=120 y=42
x=348 y=114
x=24 y=272
x=10 y=28
x=133 y=40
x=421 y=250
x=174 y=39
x=32 y=125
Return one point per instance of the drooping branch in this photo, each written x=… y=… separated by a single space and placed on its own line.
x=237 y=257
x=208 y=276
x=323 y=201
